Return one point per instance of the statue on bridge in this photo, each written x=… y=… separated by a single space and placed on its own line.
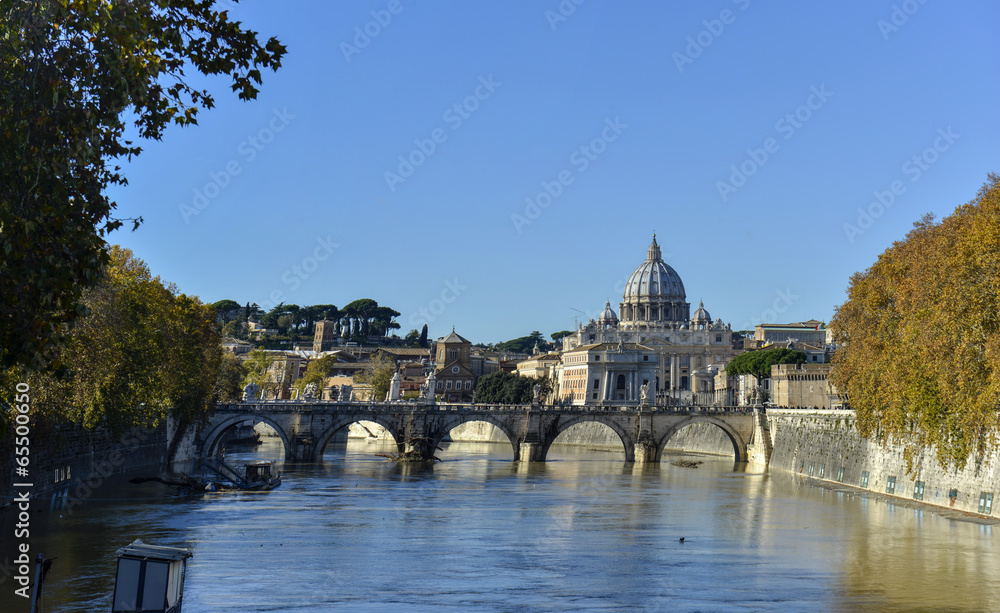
x=250 y=392
x=644 y=394
x=309 y=392
x=344 y=393
x=537 y=389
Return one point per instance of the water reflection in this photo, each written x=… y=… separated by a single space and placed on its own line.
x=479 y=532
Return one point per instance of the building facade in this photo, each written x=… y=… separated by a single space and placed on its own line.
x=654 y=313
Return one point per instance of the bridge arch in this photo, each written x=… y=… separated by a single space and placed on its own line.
x=341 y=422
x=211 y=438
x=739 y=445
x=628 y=441
x=448 y=424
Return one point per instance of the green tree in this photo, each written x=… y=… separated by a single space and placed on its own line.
x=140 y=354
x=227 y=310
x=758 y=363
x=525 y=344
x=920 y=336
x=412 y=338
x=504 y=388
x=228 y=384
x=71 y=73
x=316 y=372
x=378 y=375
x=258 y=366
x=423 y=336
x=558 y=336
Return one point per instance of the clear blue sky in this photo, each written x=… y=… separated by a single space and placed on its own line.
x=843 y=99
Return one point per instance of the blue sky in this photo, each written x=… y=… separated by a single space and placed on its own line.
x=500 y=167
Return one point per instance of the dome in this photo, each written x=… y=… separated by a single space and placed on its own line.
x=701 y=315
x=654 y=279
x=608 y=315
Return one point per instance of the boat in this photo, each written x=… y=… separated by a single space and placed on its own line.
x=256 y=476
x=215 y=474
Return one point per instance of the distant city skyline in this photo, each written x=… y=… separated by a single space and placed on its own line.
x=501 y=168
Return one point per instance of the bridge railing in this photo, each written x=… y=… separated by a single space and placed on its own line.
x=290 y=406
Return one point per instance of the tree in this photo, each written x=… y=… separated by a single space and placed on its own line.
x=920 y=336
x=377 y=375
x=258 y=365
x=227 y=310
x=70 y=74
x=423 y=336
x=558 y=336
x=140 y=353
x=412 y=338
x=228 y=383
x=758 y=363
x=316 y=372
x=504 y=388
x=525 y=344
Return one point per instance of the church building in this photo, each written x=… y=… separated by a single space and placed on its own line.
x=654 y=337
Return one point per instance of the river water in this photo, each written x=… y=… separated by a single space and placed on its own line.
x=477 y=532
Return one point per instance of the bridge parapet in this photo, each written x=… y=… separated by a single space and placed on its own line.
x=306 y=427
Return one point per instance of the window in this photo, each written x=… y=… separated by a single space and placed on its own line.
x=595 y=396
x=447 y=385
x=718 y=338
x=918 y=490
x=597 y=384
x=822 y=470
x=811 y=469
x=440 y=385
x=468 y=385
x=840 y=474
x=645 y=358
x=890 y=485
x=597 y=358
x=684 y=361
x=986 y=502
x=864 y=479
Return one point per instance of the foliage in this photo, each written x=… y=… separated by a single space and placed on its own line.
x=316 y=372
x=525 y=344
x=423 y=336
x=141 y=353
x=504 y=388
x=758 y=363
x=920 y=335
x=70 y=73
x=258 y=365
x=377 y=375
x=228 y=383
x=558 y=336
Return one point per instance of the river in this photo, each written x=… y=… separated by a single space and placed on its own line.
x=477 y=532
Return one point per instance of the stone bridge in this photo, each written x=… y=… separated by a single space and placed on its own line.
x=306 y=427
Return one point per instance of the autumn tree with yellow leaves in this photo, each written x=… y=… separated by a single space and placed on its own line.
x=920 y=361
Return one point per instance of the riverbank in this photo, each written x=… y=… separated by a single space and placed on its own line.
x=826 y=446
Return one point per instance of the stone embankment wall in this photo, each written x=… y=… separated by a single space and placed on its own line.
x=826 y=445
x=69 y=462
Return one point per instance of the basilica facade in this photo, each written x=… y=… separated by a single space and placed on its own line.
x=654 y=339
